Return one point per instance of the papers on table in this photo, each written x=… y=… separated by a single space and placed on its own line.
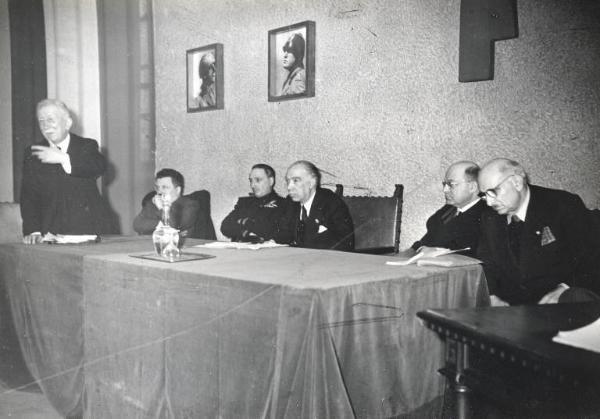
x=430 y=255
x=586 y=337
x=240 y=245
x=69 y=238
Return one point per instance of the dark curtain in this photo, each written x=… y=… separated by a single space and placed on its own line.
x=28 y=59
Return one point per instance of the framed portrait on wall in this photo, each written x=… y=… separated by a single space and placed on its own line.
x=292 y=62
x=205 y=78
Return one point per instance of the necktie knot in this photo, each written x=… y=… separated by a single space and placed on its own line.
x=449 y=215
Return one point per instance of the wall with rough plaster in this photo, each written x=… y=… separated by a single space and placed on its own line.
x=388 y=106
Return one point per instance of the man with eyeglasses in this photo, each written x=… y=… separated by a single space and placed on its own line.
x=456 y=225
x=537 y=245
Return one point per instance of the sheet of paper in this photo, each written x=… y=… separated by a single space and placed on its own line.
x=69 y=238
x=241 y=245
x=586 y=337
x=431 y=252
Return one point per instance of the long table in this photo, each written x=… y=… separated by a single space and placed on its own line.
x=274 y=333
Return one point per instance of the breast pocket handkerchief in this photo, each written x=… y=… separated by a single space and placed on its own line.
x=547 y=236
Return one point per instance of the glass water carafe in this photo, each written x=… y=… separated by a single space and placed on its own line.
x=165 y=237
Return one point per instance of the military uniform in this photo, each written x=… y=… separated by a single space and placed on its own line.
x=254 y=218
x=295 y=83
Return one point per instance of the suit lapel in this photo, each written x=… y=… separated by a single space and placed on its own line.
x=316 y=207
x=530 y=239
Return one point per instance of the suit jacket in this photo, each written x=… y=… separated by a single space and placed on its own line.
x=182 y=216
x=60 y=203
x=558 y=244
x=457 y=233
x=260 y=215
x=329 y=224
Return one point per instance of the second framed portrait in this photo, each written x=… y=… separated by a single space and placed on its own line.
x=292 y=62
x=205 y=78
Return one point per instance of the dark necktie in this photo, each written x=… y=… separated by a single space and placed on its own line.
x=449 y=215
x=301 y=226
x=515 y=229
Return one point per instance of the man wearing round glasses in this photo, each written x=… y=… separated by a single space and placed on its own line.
x=456 y=225
x=537 y=245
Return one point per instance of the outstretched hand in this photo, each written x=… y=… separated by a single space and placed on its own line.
x=49 y=155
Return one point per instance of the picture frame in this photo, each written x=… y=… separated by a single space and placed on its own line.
x=290 y=78
x=204 y=74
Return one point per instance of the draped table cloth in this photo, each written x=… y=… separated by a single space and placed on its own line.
x=274 y=333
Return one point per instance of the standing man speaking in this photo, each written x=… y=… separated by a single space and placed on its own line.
x=59 y=194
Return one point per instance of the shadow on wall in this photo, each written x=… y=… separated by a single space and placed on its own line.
x=109 y=177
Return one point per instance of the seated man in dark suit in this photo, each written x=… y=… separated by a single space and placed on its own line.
x=456 y=225
x=254 y=217
x=183 y=211
x=317 y=218
x=59 y=193
x=537 y=245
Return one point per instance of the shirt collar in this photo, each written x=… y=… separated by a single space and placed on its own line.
x=308 y=204
x=64 y=144
x=465 y=208
x=521 y=212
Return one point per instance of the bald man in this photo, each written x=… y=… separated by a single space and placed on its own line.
x=456 y=225
x=316 y=218
x=537 y=244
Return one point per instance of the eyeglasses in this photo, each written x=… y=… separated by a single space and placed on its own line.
x=493 y=192
x=451 y=183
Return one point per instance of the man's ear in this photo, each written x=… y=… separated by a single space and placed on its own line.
x=518 y=182
x=272 y=182
x=178 y=189
x=474 y=187
x=69 y=122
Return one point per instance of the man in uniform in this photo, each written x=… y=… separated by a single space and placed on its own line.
x=206 y=70
x=293 y=62
x=254 y=218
